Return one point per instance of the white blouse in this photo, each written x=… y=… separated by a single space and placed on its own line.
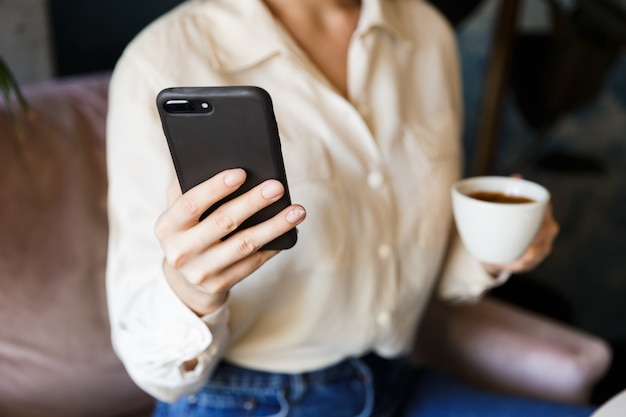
x=374 y=173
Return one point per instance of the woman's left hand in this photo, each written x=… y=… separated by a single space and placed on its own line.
x=538 y=250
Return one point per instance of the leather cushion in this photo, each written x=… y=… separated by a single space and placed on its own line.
x=55 y=352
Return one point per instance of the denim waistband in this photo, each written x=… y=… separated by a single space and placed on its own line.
x=367 y=386
x=228 y=374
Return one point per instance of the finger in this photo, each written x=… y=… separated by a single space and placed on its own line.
x=173 y=192
x=222 y=281
x=223 y=221
x=226 y=218
x=533 y=256
x=186 y=210
x=552 y=225
x=246 y=242
x=548 y=231
x=530 y=259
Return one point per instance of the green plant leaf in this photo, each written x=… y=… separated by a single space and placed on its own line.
x=10 y=86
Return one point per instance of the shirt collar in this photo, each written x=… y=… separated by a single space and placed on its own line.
x=233 y=49
x=383 y=15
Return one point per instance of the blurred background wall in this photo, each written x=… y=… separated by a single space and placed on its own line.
x=25 y=38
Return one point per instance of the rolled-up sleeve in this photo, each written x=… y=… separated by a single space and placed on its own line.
x=155 y=344
x=463 y=278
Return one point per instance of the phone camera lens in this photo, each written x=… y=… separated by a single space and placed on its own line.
x=179 y=106
x=206 y=107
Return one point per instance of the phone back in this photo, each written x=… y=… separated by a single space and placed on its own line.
x=211 y=129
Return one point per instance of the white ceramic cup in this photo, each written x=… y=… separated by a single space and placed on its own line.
x=496 y=232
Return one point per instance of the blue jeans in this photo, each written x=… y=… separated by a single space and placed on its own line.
x=363 y=387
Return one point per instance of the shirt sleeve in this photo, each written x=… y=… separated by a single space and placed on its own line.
x=463 y=278
x=152 y=331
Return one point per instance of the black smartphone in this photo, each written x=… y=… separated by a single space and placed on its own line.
x=211 y=129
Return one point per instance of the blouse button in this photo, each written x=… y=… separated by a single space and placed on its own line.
x=385 y=251
x=383 y=319
x=375 y=179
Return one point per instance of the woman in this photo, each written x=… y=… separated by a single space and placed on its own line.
x=366 y=95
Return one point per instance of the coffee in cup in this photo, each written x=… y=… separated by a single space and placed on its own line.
x=498 y=217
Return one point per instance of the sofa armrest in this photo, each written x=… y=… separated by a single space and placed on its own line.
x=502 y=347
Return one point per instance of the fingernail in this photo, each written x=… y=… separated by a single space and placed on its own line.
x=295 y=215
x=272 y=190
x=235 y=177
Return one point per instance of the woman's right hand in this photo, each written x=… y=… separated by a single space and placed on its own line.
x=200 y=267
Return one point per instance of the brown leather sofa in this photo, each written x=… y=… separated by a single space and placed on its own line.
x=55 y=354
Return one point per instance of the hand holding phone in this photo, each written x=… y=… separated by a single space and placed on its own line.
x=200 y=267
x=212 y=129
